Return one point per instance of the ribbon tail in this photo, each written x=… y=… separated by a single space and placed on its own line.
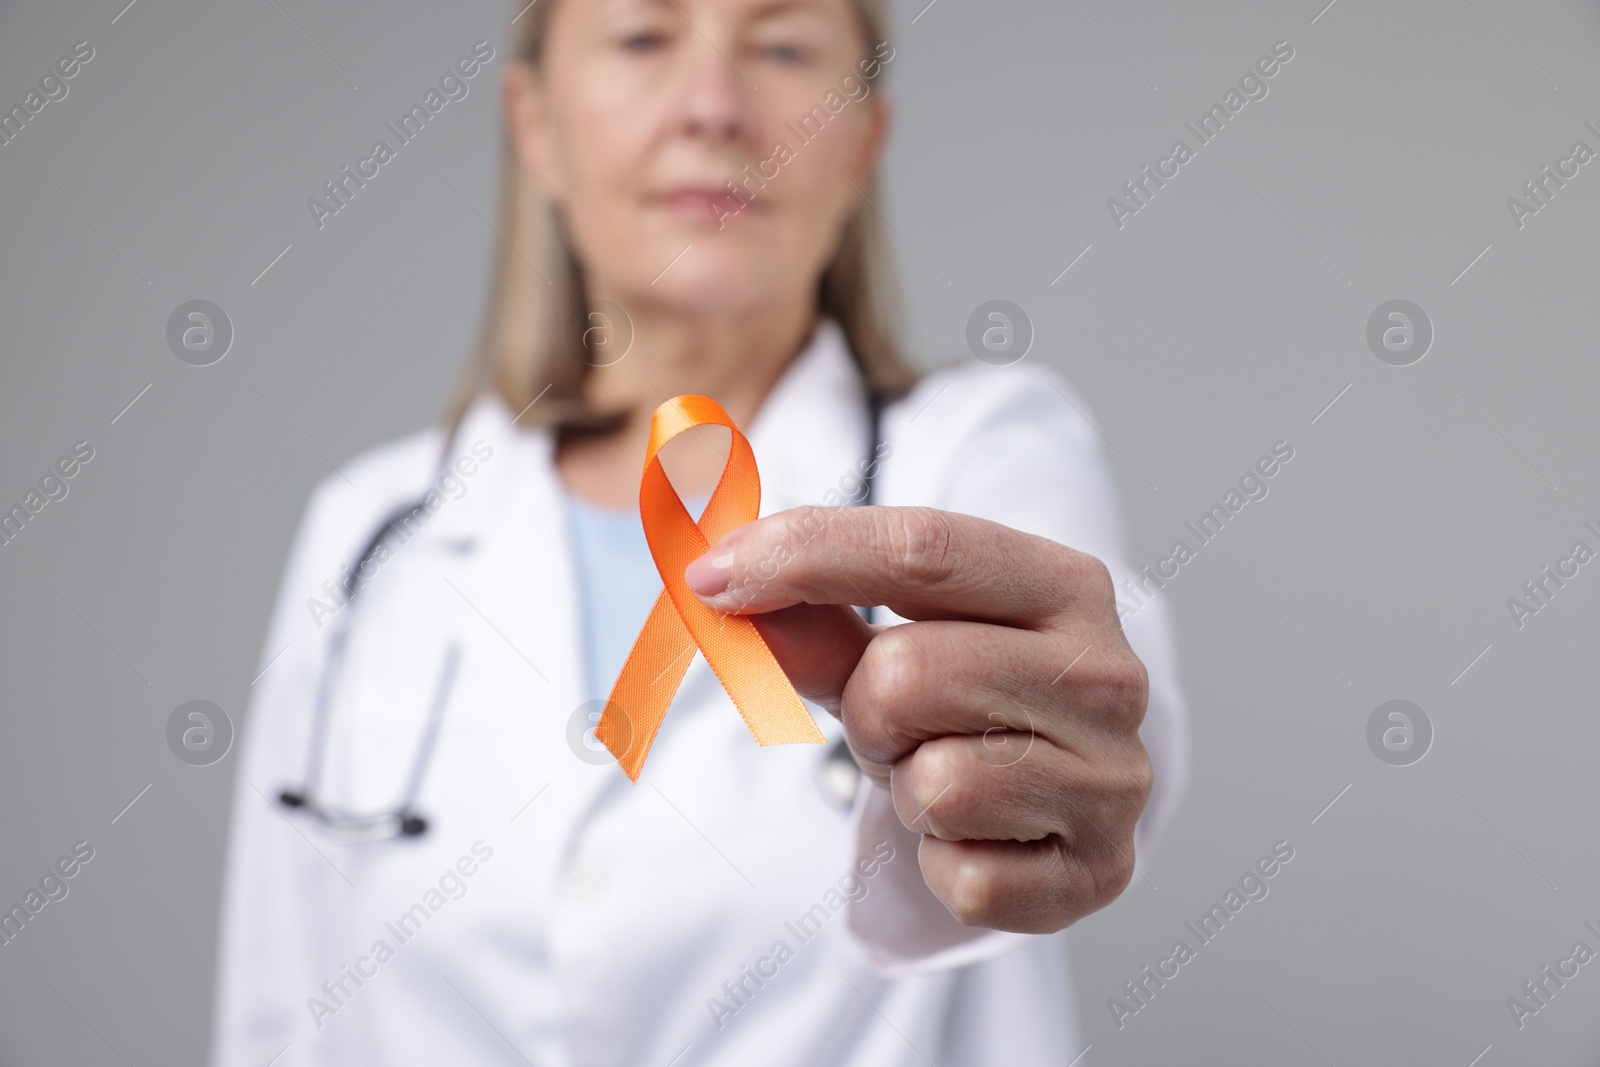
x=645 y=687
x=750 y=673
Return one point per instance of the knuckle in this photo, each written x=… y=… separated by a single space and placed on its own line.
x=1125 y=789
x=1142 y=778
x=913 y=795
x=1112 y=874
x=889 y=669
x=1111 y=865
x=921 y=542
x=972 y=892
x=881 y=684
x=1091 y=577
x=1127 y=686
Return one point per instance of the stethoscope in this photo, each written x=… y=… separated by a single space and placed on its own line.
x=402 y=820
x=838 y=774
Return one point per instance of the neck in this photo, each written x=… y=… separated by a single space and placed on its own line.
x=734 y=359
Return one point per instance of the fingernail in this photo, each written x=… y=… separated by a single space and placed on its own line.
x=710 y=574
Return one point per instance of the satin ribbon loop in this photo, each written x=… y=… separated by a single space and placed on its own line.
x=679 y=623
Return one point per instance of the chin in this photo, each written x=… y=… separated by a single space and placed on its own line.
x=716 y=277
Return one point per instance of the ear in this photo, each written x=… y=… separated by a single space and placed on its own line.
x=878 y=118
x=528 y=127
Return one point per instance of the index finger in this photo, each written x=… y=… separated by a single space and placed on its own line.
x=921 y=563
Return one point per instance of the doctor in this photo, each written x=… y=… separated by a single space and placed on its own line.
x=431 y=859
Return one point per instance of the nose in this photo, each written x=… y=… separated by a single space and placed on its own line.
x=716 y=101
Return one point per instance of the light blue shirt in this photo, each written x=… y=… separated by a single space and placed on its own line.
x=617 y=582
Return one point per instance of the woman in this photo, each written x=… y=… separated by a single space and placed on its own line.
x=515 y=898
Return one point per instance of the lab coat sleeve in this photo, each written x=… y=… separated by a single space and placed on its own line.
x=275 y=877
x=1019 y=450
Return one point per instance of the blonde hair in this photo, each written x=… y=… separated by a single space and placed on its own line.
x=530 y=343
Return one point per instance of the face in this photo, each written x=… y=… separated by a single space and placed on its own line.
x=644 y=111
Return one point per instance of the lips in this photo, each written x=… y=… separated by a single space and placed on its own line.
x=703 y=203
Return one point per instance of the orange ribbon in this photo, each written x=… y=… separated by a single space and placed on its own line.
x=679 y=623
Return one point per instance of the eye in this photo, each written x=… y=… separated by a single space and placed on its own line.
x=786 y=54
x=643 y=42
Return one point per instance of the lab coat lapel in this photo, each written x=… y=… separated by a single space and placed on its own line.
x=811 y=432
x=521 y=604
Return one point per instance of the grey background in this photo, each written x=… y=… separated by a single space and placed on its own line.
x=1225 y=316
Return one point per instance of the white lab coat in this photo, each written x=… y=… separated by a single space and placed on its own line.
x=607 y=917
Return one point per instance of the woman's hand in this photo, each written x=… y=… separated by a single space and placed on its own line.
x=1004 y=717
